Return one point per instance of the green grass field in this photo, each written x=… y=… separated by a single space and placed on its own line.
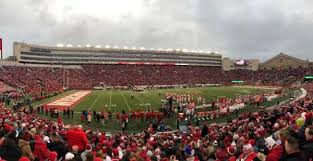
x=119 y=100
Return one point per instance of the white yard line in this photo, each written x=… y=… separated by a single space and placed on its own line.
x=126 y=102
x=94 y=102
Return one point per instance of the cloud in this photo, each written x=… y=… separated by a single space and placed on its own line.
x=249 y=29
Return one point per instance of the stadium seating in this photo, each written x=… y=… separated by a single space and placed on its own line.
x=263 y=135
x=35 y=80
x=5 y=88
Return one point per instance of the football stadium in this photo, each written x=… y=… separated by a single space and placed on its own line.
x=71 y=102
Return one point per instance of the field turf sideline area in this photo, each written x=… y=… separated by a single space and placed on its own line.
x=119 y=100
x=126 y=100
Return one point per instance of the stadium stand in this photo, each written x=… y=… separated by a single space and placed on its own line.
x=283 y=133
x=5 y=88
x=35 y=80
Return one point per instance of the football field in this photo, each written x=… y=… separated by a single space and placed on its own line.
x=126 y=100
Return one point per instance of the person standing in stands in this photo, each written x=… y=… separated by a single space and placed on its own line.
x=275 y=150
x=9 y=149
x=38 y=109
x=205 y=130
x=77 y=137
x=308 y=145
x=292 y=148
x=308 y=121
x=31 y=109
x=248 y=153
x=72 y=111
x=177 y=123
x=40 y=150
x=57 y=145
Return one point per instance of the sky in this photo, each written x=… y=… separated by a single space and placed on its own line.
x=245 y=29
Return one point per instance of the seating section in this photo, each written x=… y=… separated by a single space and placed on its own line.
x=281 y=133
x=35 y=80
x=278 y=134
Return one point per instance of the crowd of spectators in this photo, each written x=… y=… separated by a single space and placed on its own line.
x=284 y=133
x=33 y=80
x=43 y=80
x=5 y=88
x=267 y=77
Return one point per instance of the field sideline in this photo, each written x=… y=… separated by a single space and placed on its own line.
x=119 y=100
x=99 y=98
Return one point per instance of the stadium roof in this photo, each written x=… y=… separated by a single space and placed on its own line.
x=285 y=55
x=89 y=47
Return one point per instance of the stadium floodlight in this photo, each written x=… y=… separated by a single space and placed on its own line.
x=185 y=50
x=60 y=45
x=169 y=49
x=125 y=47
x=115 y=47
x=152 y=49
x=98 y=46
x=107 y=46
x=142 y=48
x=160 y=49
x=134 y=48
x=200 y=51
x=69 y=45
x=88 y=46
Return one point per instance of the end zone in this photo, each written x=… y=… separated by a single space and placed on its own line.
x=67 y=101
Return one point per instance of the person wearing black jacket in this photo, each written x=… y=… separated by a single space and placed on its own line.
x=204 y=131
x=57 y=145
x=308 y=145
x=292 y=149
x=10 y=151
